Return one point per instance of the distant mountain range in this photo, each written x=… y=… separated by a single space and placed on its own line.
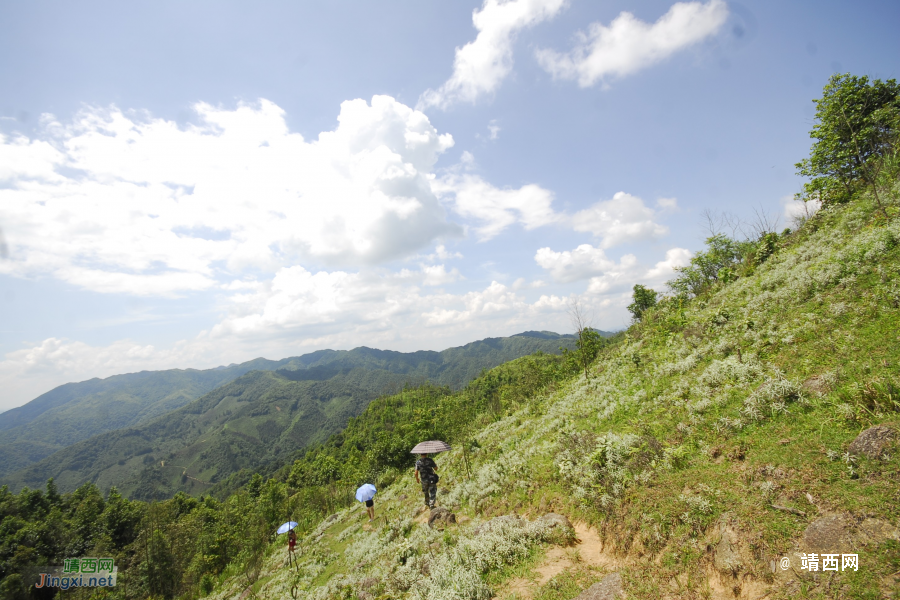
x=156 y=432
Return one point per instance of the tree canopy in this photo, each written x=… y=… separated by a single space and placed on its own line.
x=643 y=299
x=857 y=122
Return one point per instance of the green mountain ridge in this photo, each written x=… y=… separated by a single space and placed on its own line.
x=76 y=411
x=260 y=417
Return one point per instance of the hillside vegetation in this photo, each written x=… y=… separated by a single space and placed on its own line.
x=711 y=440
x=750 y=416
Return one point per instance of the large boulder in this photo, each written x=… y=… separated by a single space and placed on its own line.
x=840 y=533
x=830 y=534
x=608 y=588
x=874 y=442
x=561 y=530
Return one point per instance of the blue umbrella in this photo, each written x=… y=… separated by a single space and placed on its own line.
x=286 y=527
x=365 y=492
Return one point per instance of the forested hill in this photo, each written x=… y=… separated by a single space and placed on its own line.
x=256 y=418
x=76 y=411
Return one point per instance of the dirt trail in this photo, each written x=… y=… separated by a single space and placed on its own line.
x=587 y=550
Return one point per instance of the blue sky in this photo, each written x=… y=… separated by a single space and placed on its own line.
x=195 y=184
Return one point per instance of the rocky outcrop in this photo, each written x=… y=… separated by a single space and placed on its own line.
x=726 y=554
x=874 y=442
x=830 y=534
x=609 y=588
x=841 y=533
x=440 y=517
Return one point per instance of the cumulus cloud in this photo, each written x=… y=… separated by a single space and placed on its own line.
x=624 y=218
x=335 y=302
x=439 y=275
x=480 y=66
x=117 y=202
x=495 y=208
x=604 y=274
x=628 y=44
x=629 y=272
x=581 y=263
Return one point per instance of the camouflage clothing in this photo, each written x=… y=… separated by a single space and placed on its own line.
x=430 y=491
x=425 y=468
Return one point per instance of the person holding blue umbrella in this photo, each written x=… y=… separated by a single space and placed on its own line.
x=366 y=493
x=292 y=537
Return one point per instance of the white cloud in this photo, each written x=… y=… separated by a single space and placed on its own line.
x=443 y=254
x=494 y=129
x=117 y=202
x=622 y=219
x=664 y=269
x=605 y=275
x=621 y=280
x=497 y=209
x=480 y=66
x=438 y=275
x=667 y=204
x=628 y=45
x=581 y=263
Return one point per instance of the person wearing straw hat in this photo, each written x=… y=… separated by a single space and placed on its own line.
x=426 y=475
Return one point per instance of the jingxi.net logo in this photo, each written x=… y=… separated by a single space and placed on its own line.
x=79 y=572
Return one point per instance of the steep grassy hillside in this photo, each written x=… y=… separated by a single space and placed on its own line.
x=260 y=418
x=710 y=443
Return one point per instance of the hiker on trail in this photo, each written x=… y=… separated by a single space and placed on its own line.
x=426 y=475
x=292 y=541
x=366 y=493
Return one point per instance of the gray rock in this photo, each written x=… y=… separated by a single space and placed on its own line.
x=561 y=530
x=727 y=555
x=440 y=517
x=874 y=442
x=332 y=517
x=727 y=558
x=830 y=534
x=609 y=588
